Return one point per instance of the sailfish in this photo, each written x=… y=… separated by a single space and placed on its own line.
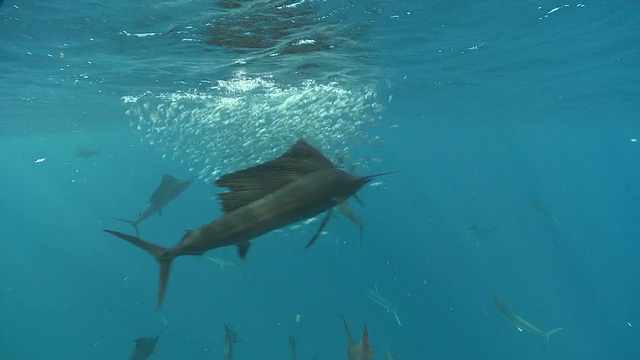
x=169 y=189
x=519 y=322
x=296 y=186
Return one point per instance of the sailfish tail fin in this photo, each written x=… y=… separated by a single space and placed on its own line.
x=158 y=252
x=133 y=223
x=548 y=333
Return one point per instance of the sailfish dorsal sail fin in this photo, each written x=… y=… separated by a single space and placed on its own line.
x=249 y=185
x=167 y=182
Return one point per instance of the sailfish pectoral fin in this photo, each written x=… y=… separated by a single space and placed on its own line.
x=158 y=252
x=346 y=211
x=243 y=249
x=324 y=223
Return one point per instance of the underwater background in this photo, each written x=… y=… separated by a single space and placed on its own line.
x=513 y=127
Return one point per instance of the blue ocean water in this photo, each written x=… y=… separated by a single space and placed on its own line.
x=513 y=127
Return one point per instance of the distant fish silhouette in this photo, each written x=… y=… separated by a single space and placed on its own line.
x=292 y=348
x=296 y=186
x=169 y=189
x=230 y=339
x=85 y=153
x=546 y=210
x=145 y=347
x=479 y=231
x=519 y=322
x=358 y=351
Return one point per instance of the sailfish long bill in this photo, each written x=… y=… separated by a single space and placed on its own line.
x=296 y=186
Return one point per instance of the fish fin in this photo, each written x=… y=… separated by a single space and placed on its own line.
x=324 y=223
x=243 y=249
x=133 y=223
x=249 y=185
x=351 y=215
x=365 y=346
x=231 y=335
x=346 y=329
x=355 y=196
x=165 y=270
x=347 y=212
x=159 y=253
x=167 y=182
x=550 y=332
x=186 y=234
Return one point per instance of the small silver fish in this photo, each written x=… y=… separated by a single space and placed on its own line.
x=385 y=303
